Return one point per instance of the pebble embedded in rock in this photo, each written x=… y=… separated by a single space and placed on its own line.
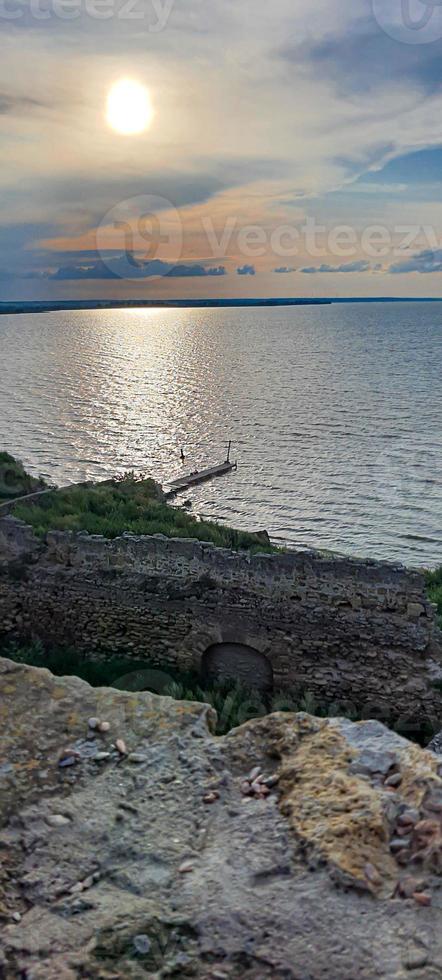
x=271 y=781
x=416 y=959
x=257 y=784
x=142 y=944
x=57 y=820
x=16 y=917
x=211 y=797
x=94 y=723
x=372 y=874
x=103 y=726
x=394 y=780
x=399 y=844
x=67 y=760
x=120 y=746
x=403 y=857
x=101 y=756
x=185 y=867
x=422 y=898
x=404 y=831
x=409 y=887
x=124 y=805
x=408 y=817
x=426 y=830
x=76 y=889
x=137 y=757
x=260 y=790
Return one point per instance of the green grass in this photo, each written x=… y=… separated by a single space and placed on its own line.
x=233 y=702
x=67 y=662
x=434 y=587
x=14 y=481
x=130 y=504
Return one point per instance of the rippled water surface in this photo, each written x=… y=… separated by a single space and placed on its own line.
x=335 y=413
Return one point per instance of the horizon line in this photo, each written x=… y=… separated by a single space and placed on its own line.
x=15 y=306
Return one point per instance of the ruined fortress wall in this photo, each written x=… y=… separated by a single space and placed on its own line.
x=340 y=628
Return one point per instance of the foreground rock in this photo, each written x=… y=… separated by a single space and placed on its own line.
x=436 y=744
x=168 y=860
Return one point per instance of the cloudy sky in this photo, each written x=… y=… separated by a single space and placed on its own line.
x=295 y=149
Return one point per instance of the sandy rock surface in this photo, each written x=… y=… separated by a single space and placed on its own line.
x=167 y=859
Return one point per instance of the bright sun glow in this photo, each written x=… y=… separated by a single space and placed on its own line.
x=129 y=109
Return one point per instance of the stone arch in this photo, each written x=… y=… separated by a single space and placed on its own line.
x=239 y=662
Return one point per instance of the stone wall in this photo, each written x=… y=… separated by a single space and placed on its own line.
x=340 y=628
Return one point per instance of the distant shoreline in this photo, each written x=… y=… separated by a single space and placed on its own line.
x=116 y=304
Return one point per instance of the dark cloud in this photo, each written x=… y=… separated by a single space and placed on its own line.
x=98 y=195
x=15 y=255
x=95 y=196
x=246 y=270
x=180 y=271
x=359 y=266
x=127 y=267
x=284 y=269
x=365 y=57
x=73 y=272
x=78 y=206
x=82 y=255
x=10 y=105
x=426 y=261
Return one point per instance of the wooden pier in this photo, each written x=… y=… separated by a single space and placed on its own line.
x=200 y=476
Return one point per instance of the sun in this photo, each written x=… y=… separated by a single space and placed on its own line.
x=129 y=109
